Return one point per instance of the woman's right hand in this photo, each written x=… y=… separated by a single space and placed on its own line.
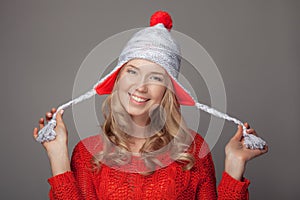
x=57 y=149
x=61 y=140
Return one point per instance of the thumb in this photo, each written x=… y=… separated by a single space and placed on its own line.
x=239 y=133
x=59 y=119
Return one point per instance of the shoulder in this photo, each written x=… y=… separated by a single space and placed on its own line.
x=199 y=146
x=89 y=146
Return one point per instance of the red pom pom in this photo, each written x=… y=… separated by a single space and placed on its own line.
x=161 y=17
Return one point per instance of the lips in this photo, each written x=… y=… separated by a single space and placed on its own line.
x=138 y=99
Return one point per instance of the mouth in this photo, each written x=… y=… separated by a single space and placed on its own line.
x=138 y=99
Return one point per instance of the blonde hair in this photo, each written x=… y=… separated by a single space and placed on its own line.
x=173 y=136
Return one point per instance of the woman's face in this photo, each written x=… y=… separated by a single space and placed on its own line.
x=141 y=87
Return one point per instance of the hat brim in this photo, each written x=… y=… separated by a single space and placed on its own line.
x=107 y=84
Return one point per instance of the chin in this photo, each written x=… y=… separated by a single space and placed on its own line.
x=136 y=113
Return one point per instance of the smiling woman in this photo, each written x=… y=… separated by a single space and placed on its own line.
x=145 y=149
x=143 y=114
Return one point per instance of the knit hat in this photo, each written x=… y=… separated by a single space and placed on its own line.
x=154 y=44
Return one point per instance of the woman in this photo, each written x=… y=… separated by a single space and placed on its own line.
x=146 y=150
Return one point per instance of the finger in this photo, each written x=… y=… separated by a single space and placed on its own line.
x=41 y=123
x=48 y=116
x=250 y=131
x=247 y=125
x=259 y=152
x=266 y=149
x=239 y=133
x=35 y=133
x=59 y=119
x=53 y=110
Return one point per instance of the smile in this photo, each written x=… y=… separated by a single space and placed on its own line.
x=138 y=99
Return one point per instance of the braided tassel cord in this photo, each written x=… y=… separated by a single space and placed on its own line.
x=47 y=133
x=251 y=141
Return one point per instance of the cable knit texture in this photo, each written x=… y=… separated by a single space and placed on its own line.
x=170 y=182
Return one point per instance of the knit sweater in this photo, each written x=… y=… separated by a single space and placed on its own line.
x=170 y=182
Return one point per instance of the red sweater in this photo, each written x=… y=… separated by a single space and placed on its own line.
x=170 y=182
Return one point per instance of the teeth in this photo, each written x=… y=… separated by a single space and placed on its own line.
x=138 y=99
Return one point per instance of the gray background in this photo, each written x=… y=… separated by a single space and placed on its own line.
x=255 y=45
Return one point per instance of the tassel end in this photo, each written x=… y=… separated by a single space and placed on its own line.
x=47 y=133
x=254 y=142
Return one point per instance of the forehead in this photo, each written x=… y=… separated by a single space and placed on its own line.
x=146 y=65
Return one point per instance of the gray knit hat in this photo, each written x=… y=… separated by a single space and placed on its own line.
x=155 y=44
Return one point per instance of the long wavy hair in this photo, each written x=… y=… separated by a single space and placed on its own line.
x=169 y=133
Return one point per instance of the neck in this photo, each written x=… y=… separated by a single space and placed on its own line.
x=140 y=128
x=139 y=135
x=140 y=121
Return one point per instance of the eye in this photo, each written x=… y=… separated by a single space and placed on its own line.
x=157 y=78
x=131 y=71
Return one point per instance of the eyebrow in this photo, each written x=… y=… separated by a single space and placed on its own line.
x=130 y=65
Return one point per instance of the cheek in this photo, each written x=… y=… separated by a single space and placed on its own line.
x=122 y=90
x=126 y=81
x=158 y=93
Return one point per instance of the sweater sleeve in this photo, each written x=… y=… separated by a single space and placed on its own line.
x=76 y=184
x=229 y=188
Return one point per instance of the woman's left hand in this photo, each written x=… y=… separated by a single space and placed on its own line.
x=237 y=155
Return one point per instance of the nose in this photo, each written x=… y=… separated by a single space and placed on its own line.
x=142 y=86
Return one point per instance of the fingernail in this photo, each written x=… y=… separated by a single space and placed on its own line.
x=61 y=111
